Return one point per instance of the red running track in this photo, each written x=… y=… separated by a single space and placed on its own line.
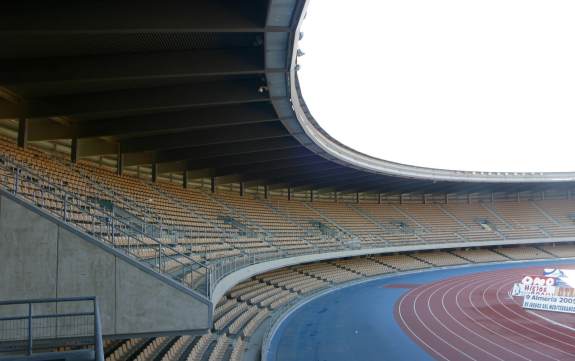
x=473 y=317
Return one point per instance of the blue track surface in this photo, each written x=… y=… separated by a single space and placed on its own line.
x=357 y=323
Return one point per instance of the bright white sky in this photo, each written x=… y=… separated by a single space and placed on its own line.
x=486 y=85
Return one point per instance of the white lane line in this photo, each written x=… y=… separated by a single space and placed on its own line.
x=552 y=333
x=410 y=330
x=455 y=299
x=551 y=321
x=449 y=316
x=507 y=335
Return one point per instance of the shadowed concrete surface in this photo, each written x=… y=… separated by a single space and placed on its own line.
x=42 y=258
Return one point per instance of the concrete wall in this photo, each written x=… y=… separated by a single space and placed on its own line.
x=41 y=257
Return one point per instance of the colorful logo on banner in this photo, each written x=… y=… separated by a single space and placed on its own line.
x=539 y=281
x=535 y=285
x=552 y=291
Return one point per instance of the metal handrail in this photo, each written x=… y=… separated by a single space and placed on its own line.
x=224 y=233
x=98 y=344
x=113 y=225
x=169 y=258
x=161 y=224
x=215 y=271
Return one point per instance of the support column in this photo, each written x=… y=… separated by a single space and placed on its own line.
x=241 y=189
x=74 y=150
x=22 y=132
x=446 y=198
x=289 y=194
x=154 y=171
x=213 y=184
x=311 y=195
x=185 y=179
x=378 y=198
x=401 y=198
x=357 y=197
x=119 y=161
x=265 y=191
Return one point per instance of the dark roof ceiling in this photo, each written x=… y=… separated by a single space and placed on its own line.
x=186 y=85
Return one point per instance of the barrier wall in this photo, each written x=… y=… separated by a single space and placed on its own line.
x=41 y=257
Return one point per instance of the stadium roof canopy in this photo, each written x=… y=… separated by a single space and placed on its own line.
x=206 y=87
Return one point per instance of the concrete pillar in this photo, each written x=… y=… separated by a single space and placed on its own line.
x=154 y=172
x=289 y=194
x=74 y=150
x=357 y=197
x=241 y=189
x=213 y=185
x=22 y=132
x=311 y=195
x=119 y=162
x=266 y=192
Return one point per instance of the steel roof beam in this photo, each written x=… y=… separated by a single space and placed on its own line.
x=245 y=160
x=281 y=169
x=165 y=122
x=339 y=183
x=124 y=102
x=267 y=165
x=235 y=148
x=126 y=17
x=152 y=65
x=382 y=185
x=322 y=178
x=294 y=172
x=205 y=137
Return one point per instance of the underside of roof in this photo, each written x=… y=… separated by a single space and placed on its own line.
x=203 y=87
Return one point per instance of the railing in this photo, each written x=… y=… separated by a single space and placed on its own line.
x=50 y=323
x=222 y=267
x=173 y=261
x=101 y=223
x=158 y=229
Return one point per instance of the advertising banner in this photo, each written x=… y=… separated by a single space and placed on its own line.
x=520 y=289
x=549 y=303
x=539 y=280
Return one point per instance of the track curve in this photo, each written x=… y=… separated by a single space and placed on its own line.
x=472 y=317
